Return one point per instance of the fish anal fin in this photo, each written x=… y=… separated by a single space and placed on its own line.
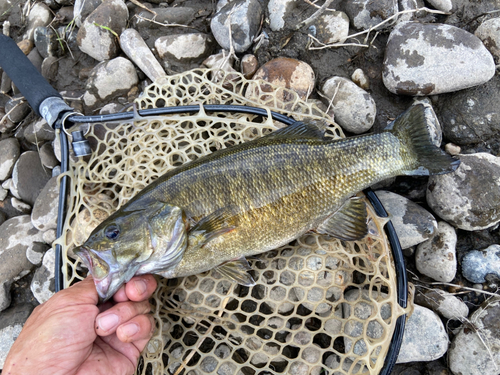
x=349 y=223
x=301 y=130
x=212 y=226
x=236 y=270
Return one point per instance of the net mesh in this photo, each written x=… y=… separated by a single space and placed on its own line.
x=320 y=305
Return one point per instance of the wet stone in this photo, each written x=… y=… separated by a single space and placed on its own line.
x=279 y=10
x=429 y=59
x=477 y=264
x=43 y=283
x=9 y=153
x=443 y=303
x=29 y=176
x=489 y=33
x=183 y=51
x=366 y=13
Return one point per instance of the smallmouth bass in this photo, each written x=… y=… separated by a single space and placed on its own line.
x=254 y=197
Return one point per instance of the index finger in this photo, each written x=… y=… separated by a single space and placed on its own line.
x=139 y=288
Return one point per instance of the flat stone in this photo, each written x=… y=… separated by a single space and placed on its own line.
x=279 y=10
x=44 y=214
x=183 y=50
x=424 y=338
x=9 y=153
x=47 y=156
x=39 y=132
x=436 y=257
x=354 y=108
x=489 y=33
x=477 y=264
x=428 y=59
x=11 y=323
x=29 y=176
x=366 y=13
x=443 y=303
x=43 y=283
x=459 y=197
x=477 y=351
x=413 y=223
x=17 y=108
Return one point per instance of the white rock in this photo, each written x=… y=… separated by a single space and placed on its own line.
x=476 y=265
x=9 y=153
x=489 y=33
x=40 y=15
x=443 y=5
x=183 y=48
x=278 y=11
x=332 y=27
x=42 y=285
x=443 y=303
x=361 y=79
x=44 y=214
x=367 y=13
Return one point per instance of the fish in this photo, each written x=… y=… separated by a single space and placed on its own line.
x=216 y=211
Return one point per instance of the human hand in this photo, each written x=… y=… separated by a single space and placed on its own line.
x=70 y=334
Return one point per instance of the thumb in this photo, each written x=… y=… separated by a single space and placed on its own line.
x=81 y=293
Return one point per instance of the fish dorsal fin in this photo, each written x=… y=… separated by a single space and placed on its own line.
x=236 y=270
x=349 y=223
x=217 y=223
x=300 y=130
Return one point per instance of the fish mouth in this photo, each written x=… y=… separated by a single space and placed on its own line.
x=96 y=265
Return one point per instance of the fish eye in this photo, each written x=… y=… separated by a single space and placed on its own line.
x=112 y=231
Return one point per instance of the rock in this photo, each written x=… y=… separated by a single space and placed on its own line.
x=3 y=195
x=49 y=236
x=35 y=58
x=428 y=59
x=431 y=120
x=279 y=10
x=436 y=257
x=47 y=156
x=183 y=51
x=249 y=65
x=17 y=109
x=9 y=153
x=222 y=61
x=83 y=8
x=468 y=198
x=243 y=18
x=9 y=185
x=443 y=303
x=97 y=41
x=283 y=72
x=366 y=13
x=109 y=80
x=44 y=215
x=40 y=15
x=20 y=206
x=476 y=350
x=476 y=264
x=409 y=5
x=452 y=149
x=443 y=5
x=29 y=176
x=361 y=79
x=472 y=115
x=489 y=33
x=5 y=8
x=11 y=322
x=413 y=223
x=39 y=132
x=332 y=27
x=43 y=283
x=137 y=50
x=50 y=67
x=424 y=339
x=353 y=107
x=46 y=42
x=17 y=238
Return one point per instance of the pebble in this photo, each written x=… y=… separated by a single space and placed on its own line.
x=279 y=10
x=222 y=61
x=12 y=321
x=83 y=8
x=50 y=67
x=436 y=257
x=20 y=206
x=39 y=132
x=413 y=223
x=18 y=237
x=243 y=17
x=183 y=51
x=409 y=5
x=9 y=153
x=43 y=284
x=428 y=59
x=332 y=27
x=361 y=79
x=452 y=149
x=46 y=42
x=40 y=15
x=477 y=264
x=17 y=108
x=9 y=185
x=367 y=13
x=354 y=108
x=137 y=50
x=424 y=338
x=489 y=33
x=443 y=5
x=109 y=80
x=475 y=350
x=98 y=42
x=459 y=197
x=47 y=156
x=3 y=195
x=249 y=65
x=443 y=303
x=29 y=176
x=44 y=214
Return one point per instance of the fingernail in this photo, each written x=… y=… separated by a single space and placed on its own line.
x=130 y=329
x=108 y=322
x=141 y=286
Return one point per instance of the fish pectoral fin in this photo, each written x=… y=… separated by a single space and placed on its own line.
x=300 y=130
x=236 y=270
x=221 y=221
x=349 y=223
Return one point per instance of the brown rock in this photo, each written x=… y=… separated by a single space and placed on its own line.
x=249 y=65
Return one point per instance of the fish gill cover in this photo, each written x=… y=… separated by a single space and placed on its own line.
x=320 y=305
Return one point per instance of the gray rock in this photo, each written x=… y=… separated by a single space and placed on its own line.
x=98 y=42
x=424 y=339
x=436 y=257
x=109 y=80
x=11 y=322
x=20 y=206
x=40 y=15
x=472 y=115
x=459 y=197
x=43 y=283
x=46 y=42
x=29 y=176
x=9 y=153
x=477 y=264
x=413 y=223
x=443 y=303
x=332 y=27
x=9 y=185
x=366 y=13
x=428 y=59
x=354 y=108
x=409 y=5
x=47 y=156
x=489 y=33
x=279 y=10
x=6 y=7
x=83 y=8
x=3 y=194
x=476 y=350
x=49 y=236
x=50 y=67
x=443 y=5
x=44 y=215
x=17 y=108
x=183 y=51
x=39 y=132
x=137 y=50
x=17 y=237
x=243 y=18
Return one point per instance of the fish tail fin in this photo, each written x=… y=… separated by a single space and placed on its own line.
x=422 y=156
